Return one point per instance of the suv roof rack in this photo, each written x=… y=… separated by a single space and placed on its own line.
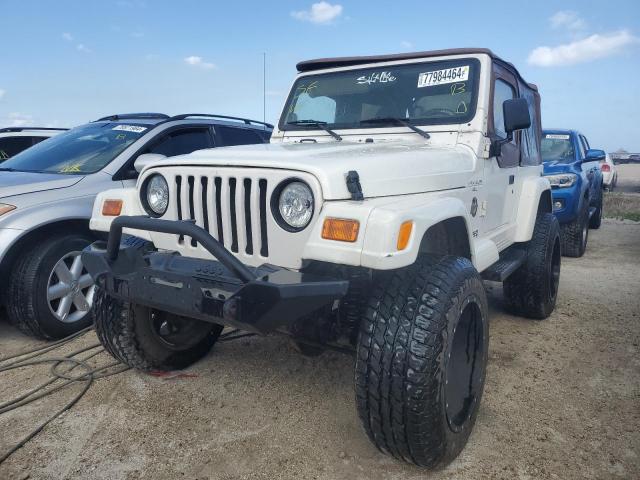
x=128 y=116
x=247 y=121
x=22 y=129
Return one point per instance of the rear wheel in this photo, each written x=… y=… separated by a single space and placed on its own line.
x=532 y=290
x=596 y=219
x=148 y=339
x=422 y=355
x=50 y=293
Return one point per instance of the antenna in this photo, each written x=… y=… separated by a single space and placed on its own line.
x=264 y=87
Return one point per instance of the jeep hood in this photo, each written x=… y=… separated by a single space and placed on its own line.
x=20 y=183
x=385 y=169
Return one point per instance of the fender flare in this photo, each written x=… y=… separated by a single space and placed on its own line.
x=533 y=188
x=379 y=250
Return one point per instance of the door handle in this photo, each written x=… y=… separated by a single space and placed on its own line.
x=512 y=178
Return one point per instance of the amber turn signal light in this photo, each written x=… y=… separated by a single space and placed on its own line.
x=341 y=229
x=111 y=208
x=404 y=234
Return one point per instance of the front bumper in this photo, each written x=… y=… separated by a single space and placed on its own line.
x=224 y=291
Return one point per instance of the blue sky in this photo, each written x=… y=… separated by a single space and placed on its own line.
x=68 y=62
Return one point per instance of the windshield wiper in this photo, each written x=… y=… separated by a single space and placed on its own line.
x=398 y=121
x=319 y=124
x=5 y=169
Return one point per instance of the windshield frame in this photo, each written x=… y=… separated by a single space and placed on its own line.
x=443 y=63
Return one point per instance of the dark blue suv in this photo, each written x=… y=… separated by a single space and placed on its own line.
x=573 y=169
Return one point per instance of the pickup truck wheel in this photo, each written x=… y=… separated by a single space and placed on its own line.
x=149 y=339
x=596 y=220
x=50 y=294
x=532 y=290
x=421 y=359
x=575 y=234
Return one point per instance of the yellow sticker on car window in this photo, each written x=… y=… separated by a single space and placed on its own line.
x=73 y=168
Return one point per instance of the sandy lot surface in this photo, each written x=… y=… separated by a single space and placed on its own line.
x=562 y=400
x=628 y=178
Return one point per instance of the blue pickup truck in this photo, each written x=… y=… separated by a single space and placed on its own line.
x=573 y=169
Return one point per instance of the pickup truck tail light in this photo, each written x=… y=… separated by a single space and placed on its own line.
x=605 y=167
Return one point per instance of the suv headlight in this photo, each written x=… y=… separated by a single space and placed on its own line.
x=292 y=205
x=562 y=180
x=155 y=195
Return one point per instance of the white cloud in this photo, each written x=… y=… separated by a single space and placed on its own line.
x=67 y=36
x=16 y=119
x=2 y=93
x=585 y=50
x=406 y=44
x=567 y=19
x=320 y=13
x=196 y=61
x=81 y=47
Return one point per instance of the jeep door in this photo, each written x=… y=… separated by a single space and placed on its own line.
x=501 y=170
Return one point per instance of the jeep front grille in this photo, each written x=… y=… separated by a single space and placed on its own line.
x=232 y=209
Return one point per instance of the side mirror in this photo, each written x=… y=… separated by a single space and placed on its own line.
x=516 y=115
x=147 y=159
x=594 y=155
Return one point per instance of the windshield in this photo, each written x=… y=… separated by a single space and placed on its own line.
x=557 y=147
x=79 y=151
x=427 y=93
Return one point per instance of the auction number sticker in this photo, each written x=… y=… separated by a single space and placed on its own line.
x=130 y=128
x=555 y=136
x=440 y=77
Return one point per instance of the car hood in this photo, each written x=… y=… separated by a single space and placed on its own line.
x=553 y=166
x=391 y=168
x=20 y=183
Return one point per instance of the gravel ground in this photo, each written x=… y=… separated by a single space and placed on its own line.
x=562 y=400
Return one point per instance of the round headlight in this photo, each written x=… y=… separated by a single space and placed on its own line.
x=295 y=205
x=157 y=195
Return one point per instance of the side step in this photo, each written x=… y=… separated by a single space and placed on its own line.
x=510 y=260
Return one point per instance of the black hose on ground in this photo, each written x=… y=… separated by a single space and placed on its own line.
x=88 y=376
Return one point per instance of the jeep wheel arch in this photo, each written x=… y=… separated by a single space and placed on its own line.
x=449 y=237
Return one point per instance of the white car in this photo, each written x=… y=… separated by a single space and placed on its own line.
x=609 y=173
x=14 y=140
x=392 y=186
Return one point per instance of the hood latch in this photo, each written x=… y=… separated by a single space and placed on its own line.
x=353 y=185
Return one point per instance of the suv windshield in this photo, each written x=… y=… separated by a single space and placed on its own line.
x=426 y=93
x=556 y=147
x=79 y=151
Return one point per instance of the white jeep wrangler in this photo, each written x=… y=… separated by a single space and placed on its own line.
x=392 y=186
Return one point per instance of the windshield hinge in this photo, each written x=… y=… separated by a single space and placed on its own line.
x=353 y=185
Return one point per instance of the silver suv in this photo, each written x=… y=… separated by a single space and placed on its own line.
x=46 y=199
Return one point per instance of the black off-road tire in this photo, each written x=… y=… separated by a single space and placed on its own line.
x=26 y=299
x=596 y=219
x=575 y=235
x=404 y=376
x=532 y=290
x=127 y=332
